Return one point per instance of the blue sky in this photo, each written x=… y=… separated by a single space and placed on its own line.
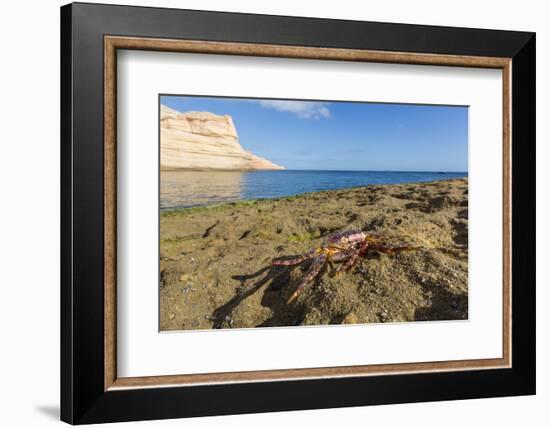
x=344 y=135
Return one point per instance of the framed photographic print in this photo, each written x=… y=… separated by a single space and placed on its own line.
x=266 y=213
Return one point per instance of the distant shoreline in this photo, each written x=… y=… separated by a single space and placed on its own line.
x=220 y=206
x=169 y=169
x=308 y=170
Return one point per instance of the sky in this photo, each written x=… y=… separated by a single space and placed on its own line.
x=318 y=135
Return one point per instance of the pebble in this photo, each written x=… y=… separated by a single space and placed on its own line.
x=172 y=316
x=350 y=318
x=383 y=316
x=195 y=323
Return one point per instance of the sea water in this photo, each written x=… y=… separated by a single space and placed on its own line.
x=180 y=189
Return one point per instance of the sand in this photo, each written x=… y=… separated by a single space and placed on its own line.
x=215 y=262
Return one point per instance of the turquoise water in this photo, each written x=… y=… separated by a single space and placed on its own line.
x=179 y=189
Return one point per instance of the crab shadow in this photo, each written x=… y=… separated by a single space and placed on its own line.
x=280 y=286
x=277 y=284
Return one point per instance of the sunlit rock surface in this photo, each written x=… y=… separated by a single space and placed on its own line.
x=204 y=141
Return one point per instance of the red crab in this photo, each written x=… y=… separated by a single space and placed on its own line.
x=341 y=247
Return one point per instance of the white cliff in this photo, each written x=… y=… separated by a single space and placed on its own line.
x=202 y=140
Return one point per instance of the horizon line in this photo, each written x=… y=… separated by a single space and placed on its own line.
x=438 y=171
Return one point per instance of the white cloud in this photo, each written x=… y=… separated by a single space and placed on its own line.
x=302 y=109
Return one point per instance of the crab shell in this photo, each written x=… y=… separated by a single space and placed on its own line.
x=346 y=239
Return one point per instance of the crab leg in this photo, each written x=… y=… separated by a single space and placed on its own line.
x=354 y=258
x=296 y=260
x=392 y=249
x=342 y=256
x=314 y=270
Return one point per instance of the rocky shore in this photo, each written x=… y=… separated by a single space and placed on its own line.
x=216 y=261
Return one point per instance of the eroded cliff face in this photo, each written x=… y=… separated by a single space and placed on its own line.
x=202 y=140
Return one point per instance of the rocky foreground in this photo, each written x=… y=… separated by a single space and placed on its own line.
x=216 y=261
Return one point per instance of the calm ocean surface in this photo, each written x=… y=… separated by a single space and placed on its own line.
x=180 y=189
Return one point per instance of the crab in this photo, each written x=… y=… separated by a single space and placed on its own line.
x=346 y=247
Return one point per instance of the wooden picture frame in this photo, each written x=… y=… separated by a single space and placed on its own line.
x=91 y=390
